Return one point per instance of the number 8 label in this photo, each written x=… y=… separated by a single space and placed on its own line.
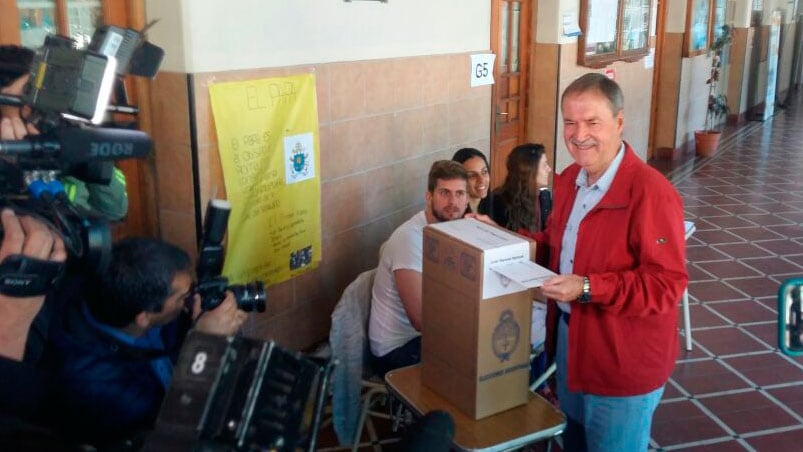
x=199 y=364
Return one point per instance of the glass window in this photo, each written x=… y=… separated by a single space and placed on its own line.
x=613 y=30
x=704 y=22
x=84 y=16
x=37 y=20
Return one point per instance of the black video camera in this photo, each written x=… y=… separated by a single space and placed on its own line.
x=238 y=394
x=211 y=286
x=66 y=96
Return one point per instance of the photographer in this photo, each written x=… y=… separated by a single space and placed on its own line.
x=108 y=201
x=117 y=340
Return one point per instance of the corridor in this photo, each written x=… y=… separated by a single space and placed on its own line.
x=735 y=391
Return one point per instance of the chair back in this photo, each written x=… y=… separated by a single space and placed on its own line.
x=348 y=338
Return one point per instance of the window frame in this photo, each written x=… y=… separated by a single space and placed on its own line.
x=618 y=54
x=711 y=32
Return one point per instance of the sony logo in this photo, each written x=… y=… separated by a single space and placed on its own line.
x=16 y=282
x=110 y=149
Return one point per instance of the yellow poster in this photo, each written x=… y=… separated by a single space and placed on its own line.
x=267 y=133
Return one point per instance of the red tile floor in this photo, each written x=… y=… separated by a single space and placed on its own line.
x=735 y=391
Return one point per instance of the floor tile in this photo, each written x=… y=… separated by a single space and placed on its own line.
x=744 y=311
x=682 y=422
x=752 y=234
x=671 y=392
x=777 y=442
x=789 y=230
x=766 y=369
x=791 y=396
x=727 y=341
x=773 y=265
x=755 y=287
x=729 y=189
x=706 y=224
x=706 y=377
x=697 y=274
x=703 y=253
x=767 y=332
x=795 y=217
x=704 y=317
x=781 y=247
x=748 y=412
x=729 y=222
x=767 y=219
x=718 y=200
x=707 y=211
x=728 y=445
x=740 y=209
x=728 y=269
x=741 y=250
x=713 y=291
x=718 y=236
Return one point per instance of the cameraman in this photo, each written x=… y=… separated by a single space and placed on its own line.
x=108 y=201
x=22 y=393
x=115 y=344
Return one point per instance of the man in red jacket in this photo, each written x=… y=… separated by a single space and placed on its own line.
x=615 y=237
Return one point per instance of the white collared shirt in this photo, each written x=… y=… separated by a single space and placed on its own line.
x=587 y=198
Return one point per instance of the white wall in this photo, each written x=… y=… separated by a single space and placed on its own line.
x=675 y=16
x=549 y=25
x=214 y=35
x=742 y=13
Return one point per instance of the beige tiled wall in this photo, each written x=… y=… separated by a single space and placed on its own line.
x=382 y=124
x=544 y=97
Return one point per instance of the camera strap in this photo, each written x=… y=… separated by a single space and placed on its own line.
x=23 y=276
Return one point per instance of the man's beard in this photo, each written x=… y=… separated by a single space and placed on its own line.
x=441 y=215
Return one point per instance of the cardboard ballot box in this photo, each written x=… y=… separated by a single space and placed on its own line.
x=476 y=323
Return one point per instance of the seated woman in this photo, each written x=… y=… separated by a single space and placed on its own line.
x=479 y=179
x=516 y=203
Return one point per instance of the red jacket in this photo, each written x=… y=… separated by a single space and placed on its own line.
x=632 y=248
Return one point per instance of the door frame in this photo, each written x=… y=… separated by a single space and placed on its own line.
x=660 y=25
x=497 y=160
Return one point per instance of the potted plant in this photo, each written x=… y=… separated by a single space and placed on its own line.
x=707 y=140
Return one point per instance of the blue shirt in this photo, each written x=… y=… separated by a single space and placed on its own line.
x=587 y=198
x=151 y=340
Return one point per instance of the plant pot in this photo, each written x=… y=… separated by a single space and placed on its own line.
x=706 y=142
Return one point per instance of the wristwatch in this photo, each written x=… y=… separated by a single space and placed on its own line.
x=585 y=297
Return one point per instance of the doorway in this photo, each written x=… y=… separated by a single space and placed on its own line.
x=510 y=41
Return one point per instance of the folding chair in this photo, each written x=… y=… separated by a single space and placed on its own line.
x=355 y=394
x=689 y=227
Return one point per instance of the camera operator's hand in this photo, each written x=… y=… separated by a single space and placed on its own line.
x=224 y=320
x=14 y=128
x=29 y=237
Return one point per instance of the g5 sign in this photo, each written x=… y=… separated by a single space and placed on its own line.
x=482 y=69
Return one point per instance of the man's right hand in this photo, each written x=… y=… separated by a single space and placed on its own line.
x=224 y=320
x=29 y=237
x=15 y=128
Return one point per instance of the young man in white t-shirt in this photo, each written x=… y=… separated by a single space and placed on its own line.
x=395 y=325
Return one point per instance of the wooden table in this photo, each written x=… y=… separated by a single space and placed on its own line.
x=514 y=428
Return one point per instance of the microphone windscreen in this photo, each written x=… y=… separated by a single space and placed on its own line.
x=433 y=433
x=146 y=60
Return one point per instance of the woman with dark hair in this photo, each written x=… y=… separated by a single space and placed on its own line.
x=516 y=202
x=479 y=179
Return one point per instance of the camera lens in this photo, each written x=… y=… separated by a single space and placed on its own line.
x=250 y=296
